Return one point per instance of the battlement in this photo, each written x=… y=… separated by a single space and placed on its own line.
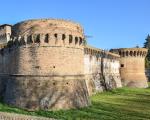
x=132 y=63
x=49 y=39
x=131 y=52
x=48 y=32
x=99 y=52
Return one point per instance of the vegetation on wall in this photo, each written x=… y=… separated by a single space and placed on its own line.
x=84 y=42
x=147 y=45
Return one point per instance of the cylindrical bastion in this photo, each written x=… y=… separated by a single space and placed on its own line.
x=132 y=66
x=47 y=65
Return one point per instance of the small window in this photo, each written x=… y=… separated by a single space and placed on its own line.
x=29 y=39
x=37 y=39
x=63 y=36
x=122 y=65
x=22 y=42
x=70 y=39
x=46 y=38
x=76 y=40
x=55 y=35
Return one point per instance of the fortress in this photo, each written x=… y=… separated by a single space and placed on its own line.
x=46 y=64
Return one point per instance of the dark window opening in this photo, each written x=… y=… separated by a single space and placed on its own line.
x=22 y=42
x=46 y=38
x=55 y=35
x=76 y=40
x=29 y=40
x=70 y=39
x=63 y=37
x=37 y=67
x=122 y=65
x=37 y=39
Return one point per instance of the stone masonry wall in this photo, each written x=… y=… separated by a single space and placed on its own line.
x=46 y=92
x=101 y=70
x=45 y=66
x=132 y=70
x=46 y=60
x=5 y=33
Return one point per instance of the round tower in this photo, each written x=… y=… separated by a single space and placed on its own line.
x=47 y=65
x=132 y=67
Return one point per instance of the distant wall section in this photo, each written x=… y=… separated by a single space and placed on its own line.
x=132 y=62
x=101 y=69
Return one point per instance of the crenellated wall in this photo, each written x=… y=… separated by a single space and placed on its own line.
x=132 y=62
x=45 y=64
x=101 y=69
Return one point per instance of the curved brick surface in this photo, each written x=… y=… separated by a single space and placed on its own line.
x=41 y=58
x=46 y=26
x=132 y=70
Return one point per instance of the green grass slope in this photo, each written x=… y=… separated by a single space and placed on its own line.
x=119 y=104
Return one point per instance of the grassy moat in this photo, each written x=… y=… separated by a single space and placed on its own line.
x=119 y=104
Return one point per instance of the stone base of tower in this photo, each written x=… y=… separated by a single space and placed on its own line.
x=46 y=93
x=138 y=81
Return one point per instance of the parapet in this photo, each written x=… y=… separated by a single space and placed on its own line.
x=44 y=26
x=55 y=32
x=130 y=52
x=95 y=51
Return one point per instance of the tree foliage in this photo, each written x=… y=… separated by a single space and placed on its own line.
x=147 y=45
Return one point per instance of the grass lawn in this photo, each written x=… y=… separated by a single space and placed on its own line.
x=119 y=104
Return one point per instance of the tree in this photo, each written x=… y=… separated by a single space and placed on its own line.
x=147 y=45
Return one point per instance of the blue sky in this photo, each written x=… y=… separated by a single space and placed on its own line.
x=111 y=23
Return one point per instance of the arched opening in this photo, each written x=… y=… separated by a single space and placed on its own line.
x=37 y=39
x=127 y=53
x=134 y=53
x=29 y=39
x=63 y=36
x=10 y=44
x=55 y=35
x=70 y=39
x=76 y=40
x=131 y=53
x=22 y=42
x=143 y=54
x=46 y=38
x=80 y=41
x=120 y=53
x=140 y=53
